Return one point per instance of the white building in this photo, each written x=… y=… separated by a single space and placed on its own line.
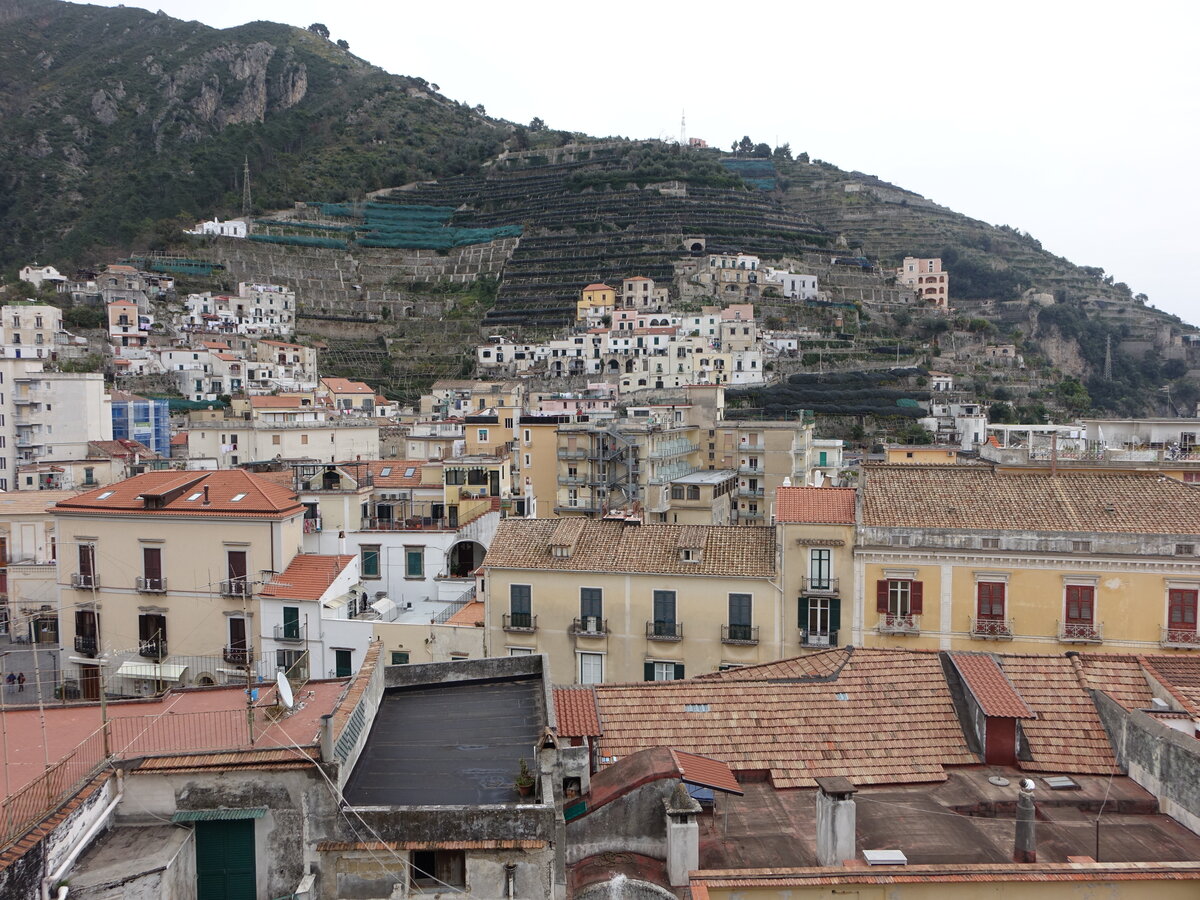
x=39 y=275
x=235 y=228
x=794 y=285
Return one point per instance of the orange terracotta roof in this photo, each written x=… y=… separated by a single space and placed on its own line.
x=399 y=472
x=833 y=506
x=469 y=615
x=822 y=664
x=576 y=712
x=706 y=771
x=307 y=577
x=122 y=448
x=855 y=724
x=1180 y=675
x=268 y=401
x=214 y=345
x=598 y=287
x=227 y=357
x=780 y=879
x=993 y=691
x=179 y=439
x=1119 y=676
x=346 y=386
x=487 y=844
x=1067 y=735
x=231 y=493
x=979 y=497
x=611 y=546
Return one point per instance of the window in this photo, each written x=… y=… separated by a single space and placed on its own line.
x=520 y=651
x=343 y=666
x=820 y=569
x=414 y=562
x=520 y=606
x=663 y=671
x=483 y=435
x=991 y=600
x=291 y=623
x=591 y=609
x=152 y=569
x=1181 y=615
x=437 y=868
x=87 y=565
x=369 y=560
x=664 y=613
x=1081 y=604
x=399 y=657
x=990 y=543
x=693 y=492
x=591 y=668
x=152 y=635
x=1081 y=546
x=740 y=617
x=898 y=601
x=677 y=492
x=1185 y=549
x=820 y=618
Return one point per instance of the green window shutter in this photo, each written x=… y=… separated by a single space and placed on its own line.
x=802 y=612
x=399 y=657
x=835 y=614
x=678 y=671
x=648 y=672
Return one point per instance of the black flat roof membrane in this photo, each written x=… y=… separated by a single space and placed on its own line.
x=448 y=744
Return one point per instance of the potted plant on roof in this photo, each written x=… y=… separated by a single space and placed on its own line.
x=524 y=780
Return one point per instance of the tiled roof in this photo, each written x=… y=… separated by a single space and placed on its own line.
x=992 y=690
x=487 y=844
x=258 y=498
x=598 y=287
x=307 y=577
x=399 y=472
x=1121 y=677
x=833 y=506
x=1180 y=675
x=979 y=497
x=469 y=615
x=179 y=439
x=346 y=386
x=122 y=448
x=281 y=401
x=778 y=880
x=886 y=718
x=1067 y=735
x=609 y=546
x=705 y=771
x=823 y=664
x=575 y=709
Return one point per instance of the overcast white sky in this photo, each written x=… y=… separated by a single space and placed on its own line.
x=1075 y=121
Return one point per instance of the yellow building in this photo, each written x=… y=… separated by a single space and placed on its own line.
x=612 y=601
x=960 y=557
x=595 y=297
x=817 y=535
x=917 y=455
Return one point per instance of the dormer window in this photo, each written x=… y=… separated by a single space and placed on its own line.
x=561 y=551
x=690 y=555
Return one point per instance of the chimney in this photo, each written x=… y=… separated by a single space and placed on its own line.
x=835 y=820
x=1025 y=848
x=683 y=835
x=206 y=500
x=1053 y=453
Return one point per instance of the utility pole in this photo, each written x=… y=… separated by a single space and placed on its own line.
x=246 y=189
x=1108 y=357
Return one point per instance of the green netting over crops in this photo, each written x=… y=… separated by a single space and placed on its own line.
x=758 y=173
x=299 y=240
x=413 y=227
x=305 y=226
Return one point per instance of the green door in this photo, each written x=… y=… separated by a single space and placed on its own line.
x=341 y=664
x=225 y=860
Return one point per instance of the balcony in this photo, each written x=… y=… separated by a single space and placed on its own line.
x=812 y=638
x=153 y=648
x=147 y=585
x=238 y=656
x=520 y=622
x=564 y=453
x=590 y=626
x=411 y=523
x=746 y=635
x=312 y=525
x=752 y=514
x=890 y=624
x=664 y=631
x=992 y=629
x=750 y=492
x=285 y=634
x=86 y=643
x=85 y=580
x=236 y=587
x=1080 y=633
x=823 y=585
x=751 y=470
x=1180 y=638
x=668 y=449
x=572 y=479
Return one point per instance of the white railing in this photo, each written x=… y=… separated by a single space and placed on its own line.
x=894 y=624
x=992 y=629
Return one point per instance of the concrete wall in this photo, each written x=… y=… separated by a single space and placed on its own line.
x=633 y=823
x=1164 y=761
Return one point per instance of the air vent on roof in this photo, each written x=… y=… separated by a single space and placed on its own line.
x=695 y=707
x=1060 y=783
x=885 y=857
x=237 y=497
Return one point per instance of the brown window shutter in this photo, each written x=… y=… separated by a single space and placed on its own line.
x=881 y=595
x=915 y=597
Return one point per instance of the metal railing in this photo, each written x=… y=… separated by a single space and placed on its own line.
x=85 y=580
x=1080 y=633
x=147 y=585
x=824 y=585
x=154 y=648
x=85 y=643
x=238 y=656
x=289 y=634
x=236 y=587
x=410 y=523
x=739 y=634
x=664 y=631
x=589 y=626
x=28 y=805
x=750 y=492
x=894 y=624
x=992 y=629
x=1180 y=637
x=519 y=622
x=813 y=638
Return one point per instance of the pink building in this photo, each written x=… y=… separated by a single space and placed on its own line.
x=928 y=281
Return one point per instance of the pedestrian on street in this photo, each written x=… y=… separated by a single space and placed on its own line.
x=20 y=682
x=11 y=681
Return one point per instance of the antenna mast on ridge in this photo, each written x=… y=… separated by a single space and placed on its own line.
x=246 y=189
x=683 y=128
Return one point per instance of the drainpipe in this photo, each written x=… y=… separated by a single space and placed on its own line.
x=510 y=880
x=82 y=843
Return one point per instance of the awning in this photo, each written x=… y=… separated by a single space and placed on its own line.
x=218 y=815
x=384 y=605
x=706 y=772
x=337 y=603
x=155 y=671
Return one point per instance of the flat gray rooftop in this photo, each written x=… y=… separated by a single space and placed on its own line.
x=705 y=476
x=449 y=744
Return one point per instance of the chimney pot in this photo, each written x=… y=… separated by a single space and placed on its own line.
x=1025 y=847
x=206 y=500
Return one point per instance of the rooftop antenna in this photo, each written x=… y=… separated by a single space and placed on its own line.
x=246 y=188
x=683 y=128
x=285 y=690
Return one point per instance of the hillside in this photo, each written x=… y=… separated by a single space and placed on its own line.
x=116 y=119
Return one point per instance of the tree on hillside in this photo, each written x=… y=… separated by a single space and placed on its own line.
x=783 y=151
x=745 y=145
x=344 y=44
x=762 y=151
x=536 y=124
x=319 y=30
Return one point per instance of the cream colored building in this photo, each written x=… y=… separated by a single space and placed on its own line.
x=220 y=442
x=29 y=330
x=28 y=587
x=612 y=601
x=161 y=574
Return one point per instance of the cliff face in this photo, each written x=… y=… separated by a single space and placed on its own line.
x=116 y=118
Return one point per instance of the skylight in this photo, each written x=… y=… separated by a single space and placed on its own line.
x=385 y=471
x=237 y=497
x=196 y=496
x=408 y=473
x=695 y=707
x=105 y=495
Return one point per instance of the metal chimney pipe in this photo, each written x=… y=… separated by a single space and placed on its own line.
x=1025 y=847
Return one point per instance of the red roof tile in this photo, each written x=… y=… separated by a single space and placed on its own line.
x=707 y=772
x=469 y=615
x=834 y=506
x=575 y=709
x=183 y=493
x=346 y=386
x=307 y=577
x=992 y=690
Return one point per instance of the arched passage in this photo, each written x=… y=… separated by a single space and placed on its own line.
x=464 y=557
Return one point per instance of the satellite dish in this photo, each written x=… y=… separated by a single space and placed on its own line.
x=285 y=690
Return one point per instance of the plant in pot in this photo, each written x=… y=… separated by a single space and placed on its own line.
x=524 y=780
